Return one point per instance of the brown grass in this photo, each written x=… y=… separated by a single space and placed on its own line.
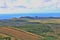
x=19 y=34
x=46 y=21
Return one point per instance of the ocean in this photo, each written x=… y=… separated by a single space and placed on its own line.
x=7 y=16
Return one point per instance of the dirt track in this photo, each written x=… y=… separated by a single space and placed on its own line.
x=19 y=34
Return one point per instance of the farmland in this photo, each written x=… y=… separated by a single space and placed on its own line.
x=18 y=34
x=31 y=29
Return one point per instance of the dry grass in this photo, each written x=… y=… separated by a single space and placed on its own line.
x=19 y=34
x=46 y=21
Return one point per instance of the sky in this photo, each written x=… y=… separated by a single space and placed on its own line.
x=29 y=6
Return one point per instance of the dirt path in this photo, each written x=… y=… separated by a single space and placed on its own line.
x=19 y=34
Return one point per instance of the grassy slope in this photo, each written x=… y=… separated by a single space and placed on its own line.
x=40 y=29
x=48 y=31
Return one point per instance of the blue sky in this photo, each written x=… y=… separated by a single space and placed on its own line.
x=29 y=6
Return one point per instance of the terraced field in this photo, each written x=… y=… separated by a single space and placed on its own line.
x=18 y=34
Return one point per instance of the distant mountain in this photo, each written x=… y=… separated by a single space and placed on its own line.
x=6 y=16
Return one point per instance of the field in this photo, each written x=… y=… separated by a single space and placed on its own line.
x=18 y=34
x=31 y=29
x=48 y=29
x=46 y=20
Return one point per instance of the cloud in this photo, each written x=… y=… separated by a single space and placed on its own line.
x=29 y=6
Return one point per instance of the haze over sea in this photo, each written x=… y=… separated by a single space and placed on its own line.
x=7 y=16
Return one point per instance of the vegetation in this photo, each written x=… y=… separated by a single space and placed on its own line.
x=5 y=38
x=48 y=28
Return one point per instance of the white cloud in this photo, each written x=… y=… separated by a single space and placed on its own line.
x=28 y=6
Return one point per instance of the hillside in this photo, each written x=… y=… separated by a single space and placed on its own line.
x=48 y=28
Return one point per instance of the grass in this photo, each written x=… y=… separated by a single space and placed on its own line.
x=46 y=21
x=40 y=29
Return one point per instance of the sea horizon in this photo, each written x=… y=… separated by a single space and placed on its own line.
x=7 y=16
